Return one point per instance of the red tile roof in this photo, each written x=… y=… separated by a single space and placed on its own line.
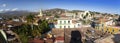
x=36 y=41
x=59 y=38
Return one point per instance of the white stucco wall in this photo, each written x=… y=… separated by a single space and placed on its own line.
x=66 y=25
x=84 y=14
x=110 y=23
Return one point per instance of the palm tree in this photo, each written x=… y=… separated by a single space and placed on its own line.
x=3 y=37
x=44 y=26
x=22 y=33
x=30 y=19
x=35 y=30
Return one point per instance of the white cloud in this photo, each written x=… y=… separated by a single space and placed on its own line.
x=1 y=10
x=7 y=9
x=4 y=5
x=14 y=9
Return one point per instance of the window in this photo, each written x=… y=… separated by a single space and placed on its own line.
x=60 y=22
x=65 y=22
x=78 y=24
x=60 y=26
x=64 y=26
x=68 y=21
x=106 y=31
x=98 y=27
x=111 y=33
x=68 y=26
x=102 y=25
x=74 y=26
x=112 y=30
x=102 y=30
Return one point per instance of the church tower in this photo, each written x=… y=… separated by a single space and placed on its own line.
x=40 y=13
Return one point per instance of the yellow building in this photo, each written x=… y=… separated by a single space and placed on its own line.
x=105 y=28
x=108 y=29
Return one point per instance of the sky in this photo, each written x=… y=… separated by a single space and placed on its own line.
x=105 y=6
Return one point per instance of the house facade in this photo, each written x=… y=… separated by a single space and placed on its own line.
x=108 y=29
x=67 y=23
x=72 y=15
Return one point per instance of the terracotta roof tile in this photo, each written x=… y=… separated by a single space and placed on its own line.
x=59 y=38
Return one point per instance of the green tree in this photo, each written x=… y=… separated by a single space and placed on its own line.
x=44 y=26
x=48 y=14
x=2 y=37
x=56 y=16
x=29 y=29
x=23 y=32
x=30 y=20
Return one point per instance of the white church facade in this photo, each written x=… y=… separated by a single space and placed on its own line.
x=85 y=15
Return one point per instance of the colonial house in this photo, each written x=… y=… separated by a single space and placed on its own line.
x=79 y=15
x=72 y=15
x=16 y=20
x=67 y=23
x=109 y=23
x=109 y=29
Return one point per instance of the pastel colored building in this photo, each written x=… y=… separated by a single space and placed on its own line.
x=67 y=23
x=108 y=29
